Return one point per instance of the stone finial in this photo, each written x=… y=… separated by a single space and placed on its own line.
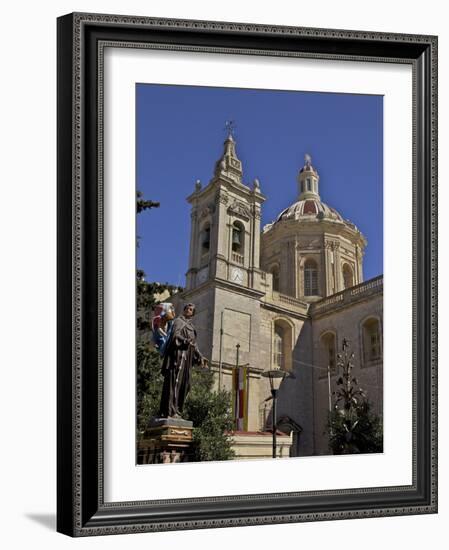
x=256 y=185
x=229 y=165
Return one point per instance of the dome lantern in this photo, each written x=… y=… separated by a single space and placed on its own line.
x=308 y=179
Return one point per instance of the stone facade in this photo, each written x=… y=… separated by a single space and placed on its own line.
x=287 y=295
x=344 y=315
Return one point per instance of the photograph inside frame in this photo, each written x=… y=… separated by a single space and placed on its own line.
x=259 y=280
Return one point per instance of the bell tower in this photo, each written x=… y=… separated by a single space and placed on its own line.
x=224 y=279
x=225 y=225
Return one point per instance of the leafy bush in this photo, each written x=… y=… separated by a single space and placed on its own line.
x=210 y=412
x=360 y=433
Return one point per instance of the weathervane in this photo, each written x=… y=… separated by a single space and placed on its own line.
x=230 y=126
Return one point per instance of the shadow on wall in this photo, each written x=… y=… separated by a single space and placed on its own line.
x=295 y=397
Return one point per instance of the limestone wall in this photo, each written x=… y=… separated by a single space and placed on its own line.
x=345 y=318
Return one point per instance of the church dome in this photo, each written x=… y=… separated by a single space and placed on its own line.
x=311 y=209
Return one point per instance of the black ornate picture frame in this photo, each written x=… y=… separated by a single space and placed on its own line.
x=81 y=508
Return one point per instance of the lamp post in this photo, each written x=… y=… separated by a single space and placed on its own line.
x=275 y=376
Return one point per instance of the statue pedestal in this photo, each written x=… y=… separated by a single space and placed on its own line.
x=166 y=440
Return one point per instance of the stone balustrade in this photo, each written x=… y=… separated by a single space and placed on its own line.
x=238 y=258
x=348 y=296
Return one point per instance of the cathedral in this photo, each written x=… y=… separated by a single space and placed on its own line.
x=280 y=297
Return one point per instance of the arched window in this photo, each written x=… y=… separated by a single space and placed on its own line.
x=275 y=273
x=310 y=278
x=238 y=238
x=328 y=354
x=282 y=345
x=371 y=340
x=205 y=239
x=348 y=278
x=278 y=347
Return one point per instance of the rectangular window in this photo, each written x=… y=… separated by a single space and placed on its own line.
x=311 y=282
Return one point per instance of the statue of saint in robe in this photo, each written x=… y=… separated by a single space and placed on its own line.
x=180 y=355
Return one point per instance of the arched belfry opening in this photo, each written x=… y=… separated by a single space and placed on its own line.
x=238 y=238
x=205 y=240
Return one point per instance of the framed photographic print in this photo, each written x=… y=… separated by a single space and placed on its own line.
x=246 y=274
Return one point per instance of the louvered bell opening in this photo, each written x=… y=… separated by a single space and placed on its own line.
x=206 y=239
x=236 y=239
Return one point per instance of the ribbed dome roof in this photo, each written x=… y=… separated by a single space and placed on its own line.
x=309 y=210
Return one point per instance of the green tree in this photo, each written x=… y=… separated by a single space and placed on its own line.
x=149 y=384
x=143 y=204
x=352 y=427
x=210 y=412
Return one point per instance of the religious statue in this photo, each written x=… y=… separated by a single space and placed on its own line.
x=181 y=353
x=161 y=324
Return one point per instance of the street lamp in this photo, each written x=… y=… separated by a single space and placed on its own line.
x=275 y=376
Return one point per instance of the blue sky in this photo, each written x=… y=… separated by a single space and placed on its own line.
x=180 y=135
